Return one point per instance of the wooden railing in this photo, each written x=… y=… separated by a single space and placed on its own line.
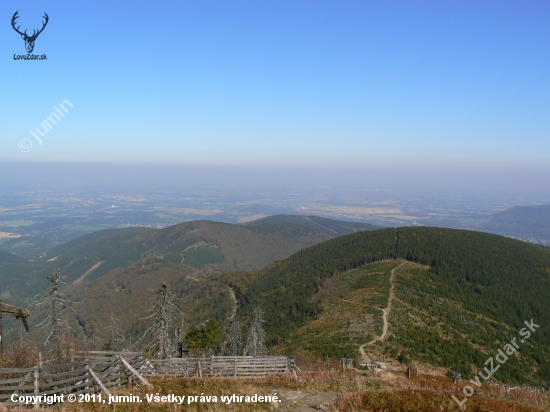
x=104 y=370
x=217 y=366
x=87 y=376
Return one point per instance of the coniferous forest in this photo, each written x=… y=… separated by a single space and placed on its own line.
x=492 y=277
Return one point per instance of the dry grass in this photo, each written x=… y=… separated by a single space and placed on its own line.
x=21 y=354
x=188 y=387
x=353 y=391
x=420 y=400
x=431 y=394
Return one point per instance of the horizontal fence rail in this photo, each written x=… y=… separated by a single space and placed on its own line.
x=217 y=366
x=87 y=376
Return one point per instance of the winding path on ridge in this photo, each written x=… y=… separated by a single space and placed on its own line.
x=232 y=293
x=385 y=314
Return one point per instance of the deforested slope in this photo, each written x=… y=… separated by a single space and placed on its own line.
x=487 y=276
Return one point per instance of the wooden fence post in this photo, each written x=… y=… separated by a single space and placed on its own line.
x=235 y=366
x=117 y=371
x=98 y=381
x=36 y=381
x=135 y=372
x=87 y=380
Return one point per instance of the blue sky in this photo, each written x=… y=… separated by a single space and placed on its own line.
x=436 y=84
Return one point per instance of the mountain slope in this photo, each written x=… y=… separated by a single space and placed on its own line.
x=458 y=296
x=213 y=246
x=242 y=247
x=525 y=222
x=330 y=226
x=480 y=279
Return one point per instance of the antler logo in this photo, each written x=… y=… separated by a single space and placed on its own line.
x=29 y=40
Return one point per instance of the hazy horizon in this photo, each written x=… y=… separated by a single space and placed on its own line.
x=528 y=184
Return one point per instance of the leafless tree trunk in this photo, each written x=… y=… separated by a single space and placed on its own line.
x=235 y=338
x=255 y=341
x=59 y=339
x=164 y=314
x=114 y=332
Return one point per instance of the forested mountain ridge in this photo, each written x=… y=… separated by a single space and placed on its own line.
x=481 y=276
x=459 y=295
x=530 y=223
x=157 y=256
x=330 y=226
x=197 y=244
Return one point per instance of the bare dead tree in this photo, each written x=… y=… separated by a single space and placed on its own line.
x=164 y=314
x=255 y=341
x=235 y=338
x=59 y=339
x=114 y=331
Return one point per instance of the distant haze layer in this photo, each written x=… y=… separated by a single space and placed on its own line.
x=261 y=181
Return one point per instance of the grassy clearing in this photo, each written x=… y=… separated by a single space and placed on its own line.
x=202 y=255
x=351 y=313
x=22 y=243
x=16 y=223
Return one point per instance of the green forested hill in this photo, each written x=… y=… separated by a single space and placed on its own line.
x=136 y=260
x=459 y=296
x=330 y=226
x=483 y=276
x=242 y=247
x=197 y=244
x=521 y=221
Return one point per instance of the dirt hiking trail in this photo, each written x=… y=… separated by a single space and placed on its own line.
x=385 y=314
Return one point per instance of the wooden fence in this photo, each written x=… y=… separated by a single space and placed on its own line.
x=218 y=366
x=108 y=369
x=104 y=370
